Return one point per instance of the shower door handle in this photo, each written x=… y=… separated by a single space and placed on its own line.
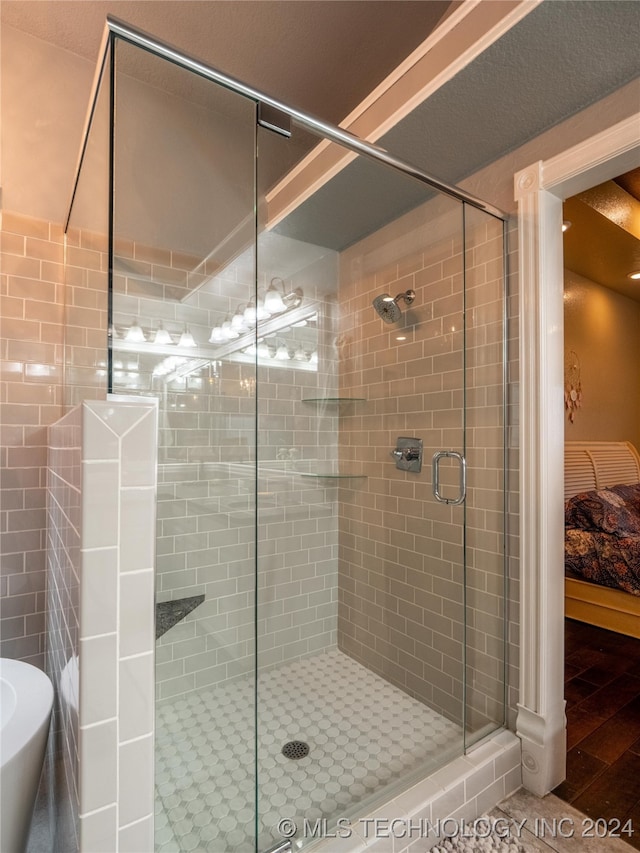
x=435 y=476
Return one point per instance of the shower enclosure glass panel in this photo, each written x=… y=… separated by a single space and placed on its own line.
x=86 y=261
x=183 y=264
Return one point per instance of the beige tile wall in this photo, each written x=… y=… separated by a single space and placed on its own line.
x=32 y=352
x=85 y=316
x=485 y=451
x=207 y=487
x=31 y=342
x=401 y=608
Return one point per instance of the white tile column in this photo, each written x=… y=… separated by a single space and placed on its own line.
x=117 y=636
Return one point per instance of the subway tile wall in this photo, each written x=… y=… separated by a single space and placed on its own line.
x=31 y=344
x=102 y=499
x=207 y=485
x=85 y=316
x=401 y=580
x=32 y=350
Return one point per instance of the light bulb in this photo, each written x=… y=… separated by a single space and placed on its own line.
x=273 y=301
x=250 y=314
x=135 y=335
x=237 y=322
x=227 y=331
x=187 y=340
x=162 y=336
x=282 y=353
x=217 y=336
x=261 y=311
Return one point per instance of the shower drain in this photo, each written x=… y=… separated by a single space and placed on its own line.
x=295 y=749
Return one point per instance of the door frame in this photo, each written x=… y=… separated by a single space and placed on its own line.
x=539 y=192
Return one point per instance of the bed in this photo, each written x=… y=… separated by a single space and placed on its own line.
x=591 y=466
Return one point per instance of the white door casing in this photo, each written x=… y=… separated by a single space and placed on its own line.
x=539 y=191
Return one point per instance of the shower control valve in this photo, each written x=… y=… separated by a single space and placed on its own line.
x=408 y=454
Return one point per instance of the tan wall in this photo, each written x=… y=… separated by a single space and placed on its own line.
x=603 y=329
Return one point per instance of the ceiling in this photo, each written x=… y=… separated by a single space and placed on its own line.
x=323 y=56
x=603 y=240
x=559 y=59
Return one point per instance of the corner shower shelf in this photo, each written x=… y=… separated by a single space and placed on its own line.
x=169 y=613
x=334 y=400
x=318 y=476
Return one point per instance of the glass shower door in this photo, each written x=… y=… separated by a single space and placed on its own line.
x=360 y=595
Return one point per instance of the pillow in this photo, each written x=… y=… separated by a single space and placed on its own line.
x=613 y=510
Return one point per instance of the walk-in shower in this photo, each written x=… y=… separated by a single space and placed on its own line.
x=330 y=625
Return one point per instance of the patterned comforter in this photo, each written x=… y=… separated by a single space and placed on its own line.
x=602 y=536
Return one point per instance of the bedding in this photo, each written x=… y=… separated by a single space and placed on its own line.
x=602 y=536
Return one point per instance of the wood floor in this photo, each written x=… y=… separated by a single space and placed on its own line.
x=602 y=689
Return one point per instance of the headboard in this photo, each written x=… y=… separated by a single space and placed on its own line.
x=597 y=464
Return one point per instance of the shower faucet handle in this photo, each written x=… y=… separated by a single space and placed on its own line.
x=408 y=454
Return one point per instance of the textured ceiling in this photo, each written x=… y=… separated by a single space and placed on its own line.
x=560 y=58
x=602 y=243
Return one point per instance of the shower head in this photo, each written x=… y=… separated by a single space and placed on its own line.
x=388 y=308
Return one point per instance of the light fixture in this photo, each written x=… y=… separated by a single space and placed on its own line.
x=237 y=322
x=566 y=225
x=314 y=357
x=187 y=339
x=273 y=301
x=217 y=336
x=168 y=365
x=228 y=333
x=250 y=313
x=135 y=335
x=162 y=336
x=261 y=311
x=263 y=350
x=635 y=275
x=282 y=353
